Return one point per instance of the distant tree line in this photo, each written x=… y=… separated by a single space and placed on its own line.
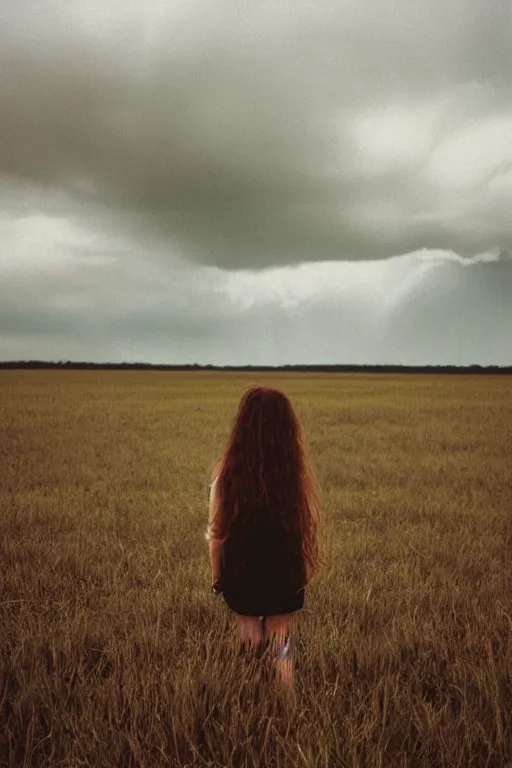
x=345 y=368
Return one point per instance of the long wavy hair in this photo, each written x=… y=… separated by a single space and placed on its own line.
x=265 y=471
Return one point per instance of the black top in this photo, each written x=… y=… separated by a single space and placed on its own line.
x=262 y=571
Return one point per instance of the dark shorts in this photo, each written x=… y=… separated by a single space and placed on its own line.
x=273 y=603
x=262 y=572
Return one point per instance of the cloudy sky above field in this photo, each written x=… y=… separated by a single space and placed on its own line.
x=271 y=182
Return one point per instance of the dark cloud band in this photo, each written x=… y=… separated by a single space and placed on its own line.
x=268 y=137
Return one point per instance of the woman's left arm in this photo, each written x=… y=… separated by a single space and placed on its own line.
x=214 y=544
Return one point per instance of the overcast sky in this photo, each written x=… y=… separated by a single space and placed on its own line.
x=265 y=182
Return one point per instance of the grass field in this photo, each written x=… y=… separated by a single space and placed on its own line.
x=114 y=653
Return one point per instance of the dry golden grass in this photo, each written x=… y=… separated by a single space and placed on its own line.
x=113 y=652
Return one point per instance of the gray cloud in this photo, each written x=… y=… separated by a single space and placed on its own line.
x=415 y=309
x=256 y=183
x=252 y=136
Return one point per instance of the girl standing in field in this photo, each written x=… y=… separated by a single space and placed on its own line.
x=263 y=519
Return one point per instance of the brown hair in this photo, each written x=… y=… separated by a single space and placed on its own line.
x=266 y=470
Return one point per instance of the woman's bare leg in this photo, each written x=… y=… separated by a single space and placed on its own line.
x=278 y=629
x=249 y=629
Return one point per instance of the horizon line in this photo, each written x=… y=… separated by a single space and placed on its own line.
x=249 y=366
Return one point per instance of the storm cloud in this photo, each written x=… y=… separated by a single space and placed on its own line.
x=256 y=183
x=255 y=135
x=424 y=308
